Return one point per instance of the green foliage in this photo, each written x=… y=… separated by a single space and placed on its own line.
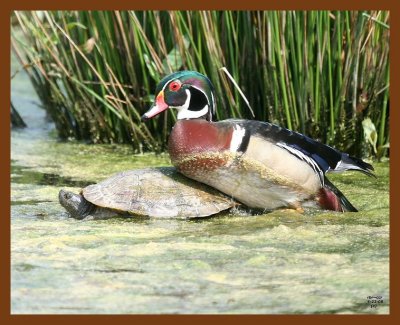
x=318 y=72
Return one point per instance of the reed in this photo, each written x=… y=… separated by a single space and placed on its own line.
x=318 y=72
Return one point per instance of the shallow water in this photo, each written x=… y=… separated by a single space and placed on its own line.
x=282 y=262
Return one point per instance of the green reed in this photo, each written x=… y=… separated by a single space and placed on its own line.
x=318 y=72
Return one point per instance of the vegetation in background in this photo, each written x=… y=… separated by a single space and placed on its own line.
x=16 y=119
x=322 y=73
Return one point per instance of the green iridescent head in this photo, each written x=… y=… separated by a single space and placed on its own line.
x=190 y=92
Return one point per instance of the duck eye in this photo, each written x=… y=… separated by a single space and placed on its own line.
x=175 y=86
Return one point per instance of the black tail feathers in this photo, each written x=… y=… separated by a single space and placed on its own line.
x=354 y=163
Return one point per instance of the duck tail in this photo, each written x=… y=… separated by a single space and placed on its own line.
x=331 y=198
x=353 y=163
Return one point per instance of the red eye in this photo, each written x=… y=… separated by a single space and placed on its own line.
x=175 y=86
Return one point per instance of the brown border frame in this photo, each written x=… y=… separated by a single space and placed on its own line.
x=7 y=8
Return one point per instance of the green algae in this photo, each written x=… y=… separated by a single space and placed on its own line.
x=282 y=262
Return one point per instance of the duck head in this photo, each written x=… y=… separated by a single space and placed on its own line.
x=190 y=92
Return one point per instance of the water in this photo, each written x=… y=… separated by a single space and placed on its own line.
x=282 y=262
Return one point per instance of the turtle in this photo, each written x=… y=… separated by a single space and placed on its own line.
x=160 y=192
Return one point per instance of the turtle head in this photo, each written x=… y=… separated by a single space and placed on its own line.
x=190 y=92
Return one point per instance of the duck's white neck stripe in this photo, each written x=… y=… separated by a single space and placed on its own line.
x=237 y=138
x=184 y=113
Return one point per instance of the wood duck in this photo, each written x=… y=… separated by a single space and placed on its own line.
x=260 y=164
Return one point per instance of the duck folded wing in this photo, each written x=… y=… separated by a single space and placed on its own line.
x=322 y=158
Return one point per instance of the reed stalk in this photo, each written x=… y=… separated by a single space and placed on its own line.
x=318 y=72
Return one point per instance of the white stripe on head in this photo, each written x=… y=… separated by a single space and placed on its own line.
x=212 y=112
x=237 y=137
x=166 y=84
x=185 y=113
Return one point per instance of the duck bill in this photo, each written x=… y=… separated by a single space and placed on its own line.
x=159 y=106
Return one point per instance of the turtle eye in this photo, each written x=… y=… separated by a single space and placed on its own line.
x=175 y=86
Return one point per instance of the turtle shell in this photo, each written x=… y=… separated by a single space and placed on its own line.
x=157 y=192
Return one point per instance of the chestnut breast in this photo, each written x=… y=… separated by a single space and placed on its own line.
x=198 y=136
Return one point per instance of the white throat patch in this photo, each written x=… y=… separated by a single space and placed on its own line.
x=184 y=113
